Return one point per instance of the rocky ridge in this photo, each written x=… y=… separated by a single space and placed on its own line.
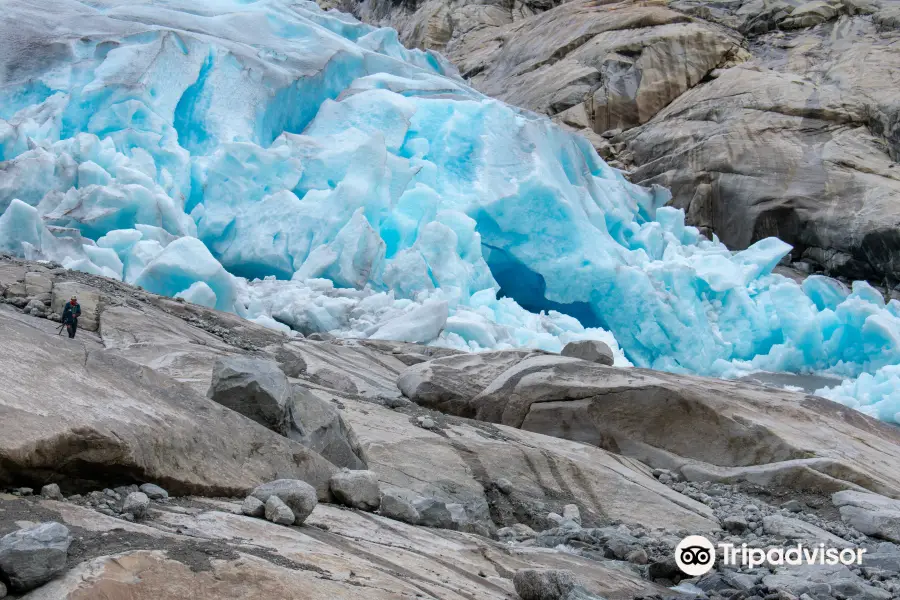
x=764 y=117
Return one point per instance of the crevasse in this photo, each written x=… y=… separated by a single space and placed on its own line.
x=310 y=173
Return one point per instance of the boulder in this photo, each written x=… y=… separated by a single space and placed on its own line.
x=394 y=506
x=33 y=556
x=347 y=368
x=154 y=492
x=136 y=504
x=256 y=388
x=870 y=514
x=518 y=532
x=571 y=513
x=434 y=513
x=51 y=492
x=356 y=489
x=78 y=414
x=448 y=384
x=278 y=512
x=88 y=298
x=299 y=496
x=318 y=425
x=37 y=284
x=253 y=507
x=735 y=524
x=590 y=350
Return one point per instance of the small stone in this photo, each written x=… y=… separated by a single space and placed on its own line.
x=128 y=517
x=504 y=486
x=735 y=524
x=516 y=533
x=2 y=590
x=320 y=336
x=278 y=512
x=253 y=507
x=154 y=492
x=638 y=557
x=51 y=492
x=298 y=495
x=136 y=504
x=792 y=506
x=571 y=513
x=33 y=556
x=25 y=491
x=356 y=489
x=111 y=494
x=555 y=518
x=398 y=402
x=426 y=422
x=76 y=498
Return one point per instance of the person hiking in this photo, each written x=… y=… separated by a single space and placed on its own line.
x=70 y=316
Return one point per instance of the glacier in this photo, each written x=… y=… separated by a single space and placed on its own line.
x=309 y=173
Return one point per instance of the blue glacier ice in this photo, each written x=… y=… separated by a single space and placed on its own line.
x=311 y=174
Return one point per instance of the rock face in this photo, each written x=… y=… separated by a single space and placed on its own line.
x=299 y=496
x=754 y=113
x=33 y=556
x=80 y=409
x=256 y=388
x=708 y=430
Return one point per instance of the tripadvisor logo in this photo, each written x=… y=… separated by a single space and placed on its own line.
x=695 y=555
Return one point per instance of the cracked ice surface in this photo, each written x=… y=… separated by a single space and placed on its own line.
x=307 y=171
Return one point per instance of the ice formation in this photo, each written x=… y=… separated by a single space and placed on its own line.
x=310 y=173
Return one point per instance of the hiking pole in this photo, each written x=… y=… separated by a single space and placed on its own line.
x=59 y=331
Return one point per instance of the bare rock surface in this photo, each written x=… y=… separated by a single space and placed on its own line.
x=575 y=466
x=707 y=429
x=205 y=549
x=78 y=411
